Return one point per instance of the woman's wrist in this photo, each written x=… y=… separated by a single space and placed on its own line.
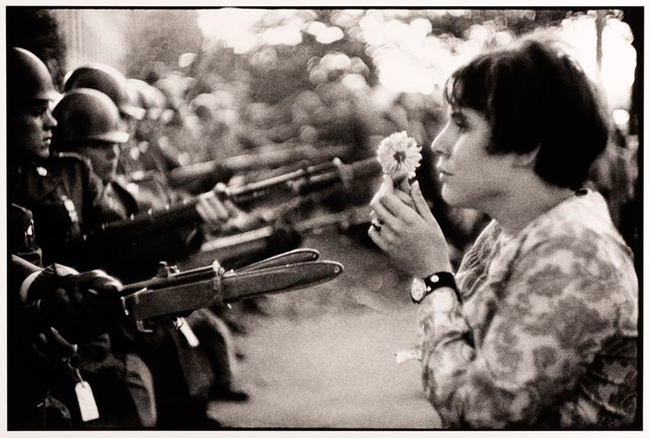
x=442 y=300
x=432 y=268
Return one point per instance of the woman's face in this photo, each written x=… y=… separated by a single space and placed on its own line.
x=103 y=157
x=470 y=177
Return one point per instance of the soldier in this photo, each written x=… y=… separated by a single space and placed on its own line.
x=59 y=189
x=152 y=156
x=49 y=309
x=89 y=125
x=136 y=158
x=109 y=81
x=129 y=102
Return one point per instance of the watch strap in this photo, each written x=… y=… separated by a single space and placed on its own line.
x=439 y=280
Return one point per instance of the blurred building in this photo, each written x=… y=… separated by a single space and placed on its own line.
x=92 y=35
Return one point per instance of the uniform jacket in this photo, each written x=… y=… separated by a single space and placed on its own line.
x=21 y=238
x=66 y=199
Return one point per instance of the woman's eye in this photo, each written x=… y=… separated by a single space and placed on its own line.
x=460 y=124
x=459 y=120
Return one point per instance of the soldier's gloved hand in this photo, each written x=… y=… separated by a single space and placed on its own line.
x=52 y=348
x=81 y=306
x=285 y=237
x=224 y=216
x=213 y=211
x=243 y=221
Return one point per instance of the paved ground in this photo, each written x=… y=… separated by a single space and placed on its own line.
x=324 y=358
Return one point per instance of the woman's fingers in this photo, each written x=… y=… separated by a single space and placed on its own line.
x=420 y=203
x=384 y=216
x=377 y=237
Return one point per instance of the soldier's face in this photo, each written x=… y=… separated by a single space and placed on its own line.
x=30 y=128
x=103 y=157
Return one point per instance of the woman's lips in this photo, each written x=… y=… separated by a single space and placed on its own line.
x=444 y=175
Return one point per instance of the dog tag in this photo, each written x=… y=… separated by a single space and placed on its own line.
x=86 y=400
x=186 y=330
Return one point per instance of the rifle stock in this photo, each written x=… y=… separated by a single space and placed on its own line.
x=249 y=246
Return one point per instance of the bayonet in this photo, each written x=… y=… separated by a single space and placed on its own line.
x=173 y=292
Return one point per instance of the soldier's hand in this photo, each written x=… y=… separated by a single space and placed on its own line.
x=285 y=237
x=213 y=211
x=80 y=306
x=243 y=221
x=224 y=216
x=52 y=348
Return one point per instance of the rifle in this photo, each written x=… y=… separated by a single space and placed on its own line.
x=237 y=249
x=213 y=172
x=298 y=183
x=172 y=292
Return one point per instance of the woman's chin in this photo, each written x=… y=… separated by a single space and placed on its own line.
x=449 y=196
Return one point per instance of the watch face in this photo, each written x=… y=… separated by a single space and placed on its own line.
x=418 y=289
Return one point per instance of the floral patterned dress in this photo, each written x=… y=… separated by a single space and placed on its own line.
x=546 y=333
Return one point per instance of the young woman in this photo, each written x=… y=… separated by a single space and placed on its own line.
x=538 y=328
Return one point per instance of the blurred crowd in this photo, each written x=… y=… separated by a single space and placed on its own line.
x=107 y=149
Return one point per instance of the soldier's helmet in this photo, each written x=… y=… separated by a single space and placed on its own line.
x=142 y=93
x=109 y=81
x=86 y=116
x=157 y=102
x=28 y=78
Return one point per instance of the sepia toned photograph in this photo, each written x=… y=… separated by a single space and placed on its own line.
x=304 y=219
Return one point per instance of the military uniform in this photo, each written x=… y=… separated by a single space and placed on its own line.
x=136 y=258
x=66 y=199
x=183 y=373
x=21 y=239
x=30 y=405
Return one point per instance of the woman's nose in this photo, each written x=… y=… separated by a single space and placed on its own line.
x=441 y=144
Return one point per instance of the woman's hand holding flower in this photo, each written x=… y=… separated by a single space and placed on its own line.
x=409 y=234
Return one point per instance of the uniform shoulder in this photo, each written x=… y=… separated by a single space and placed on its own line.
x=20 y=209
x=68 y=159
x=68 y=156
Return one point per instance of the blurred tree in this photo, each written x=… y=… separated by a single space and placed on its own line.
x=37 y=30
x=280 y=70
x=158 y=37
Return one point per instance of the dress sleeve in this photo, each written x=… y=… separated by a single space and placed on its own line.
x=542 y=327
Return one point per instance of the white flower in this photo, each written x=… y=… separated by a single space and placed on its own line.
x=399 y=156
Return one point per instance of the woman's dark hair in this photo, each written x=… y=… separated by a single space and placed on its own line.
x=535 y=94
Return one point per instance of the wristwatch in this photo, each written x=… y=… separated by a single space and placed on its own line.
x=422 y=287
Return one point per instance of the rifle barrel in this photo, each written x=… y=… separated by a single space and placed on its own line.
x=247 y=163
x=311 y=177
x=257 y=186
x=223 y=169
x=304 y=180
